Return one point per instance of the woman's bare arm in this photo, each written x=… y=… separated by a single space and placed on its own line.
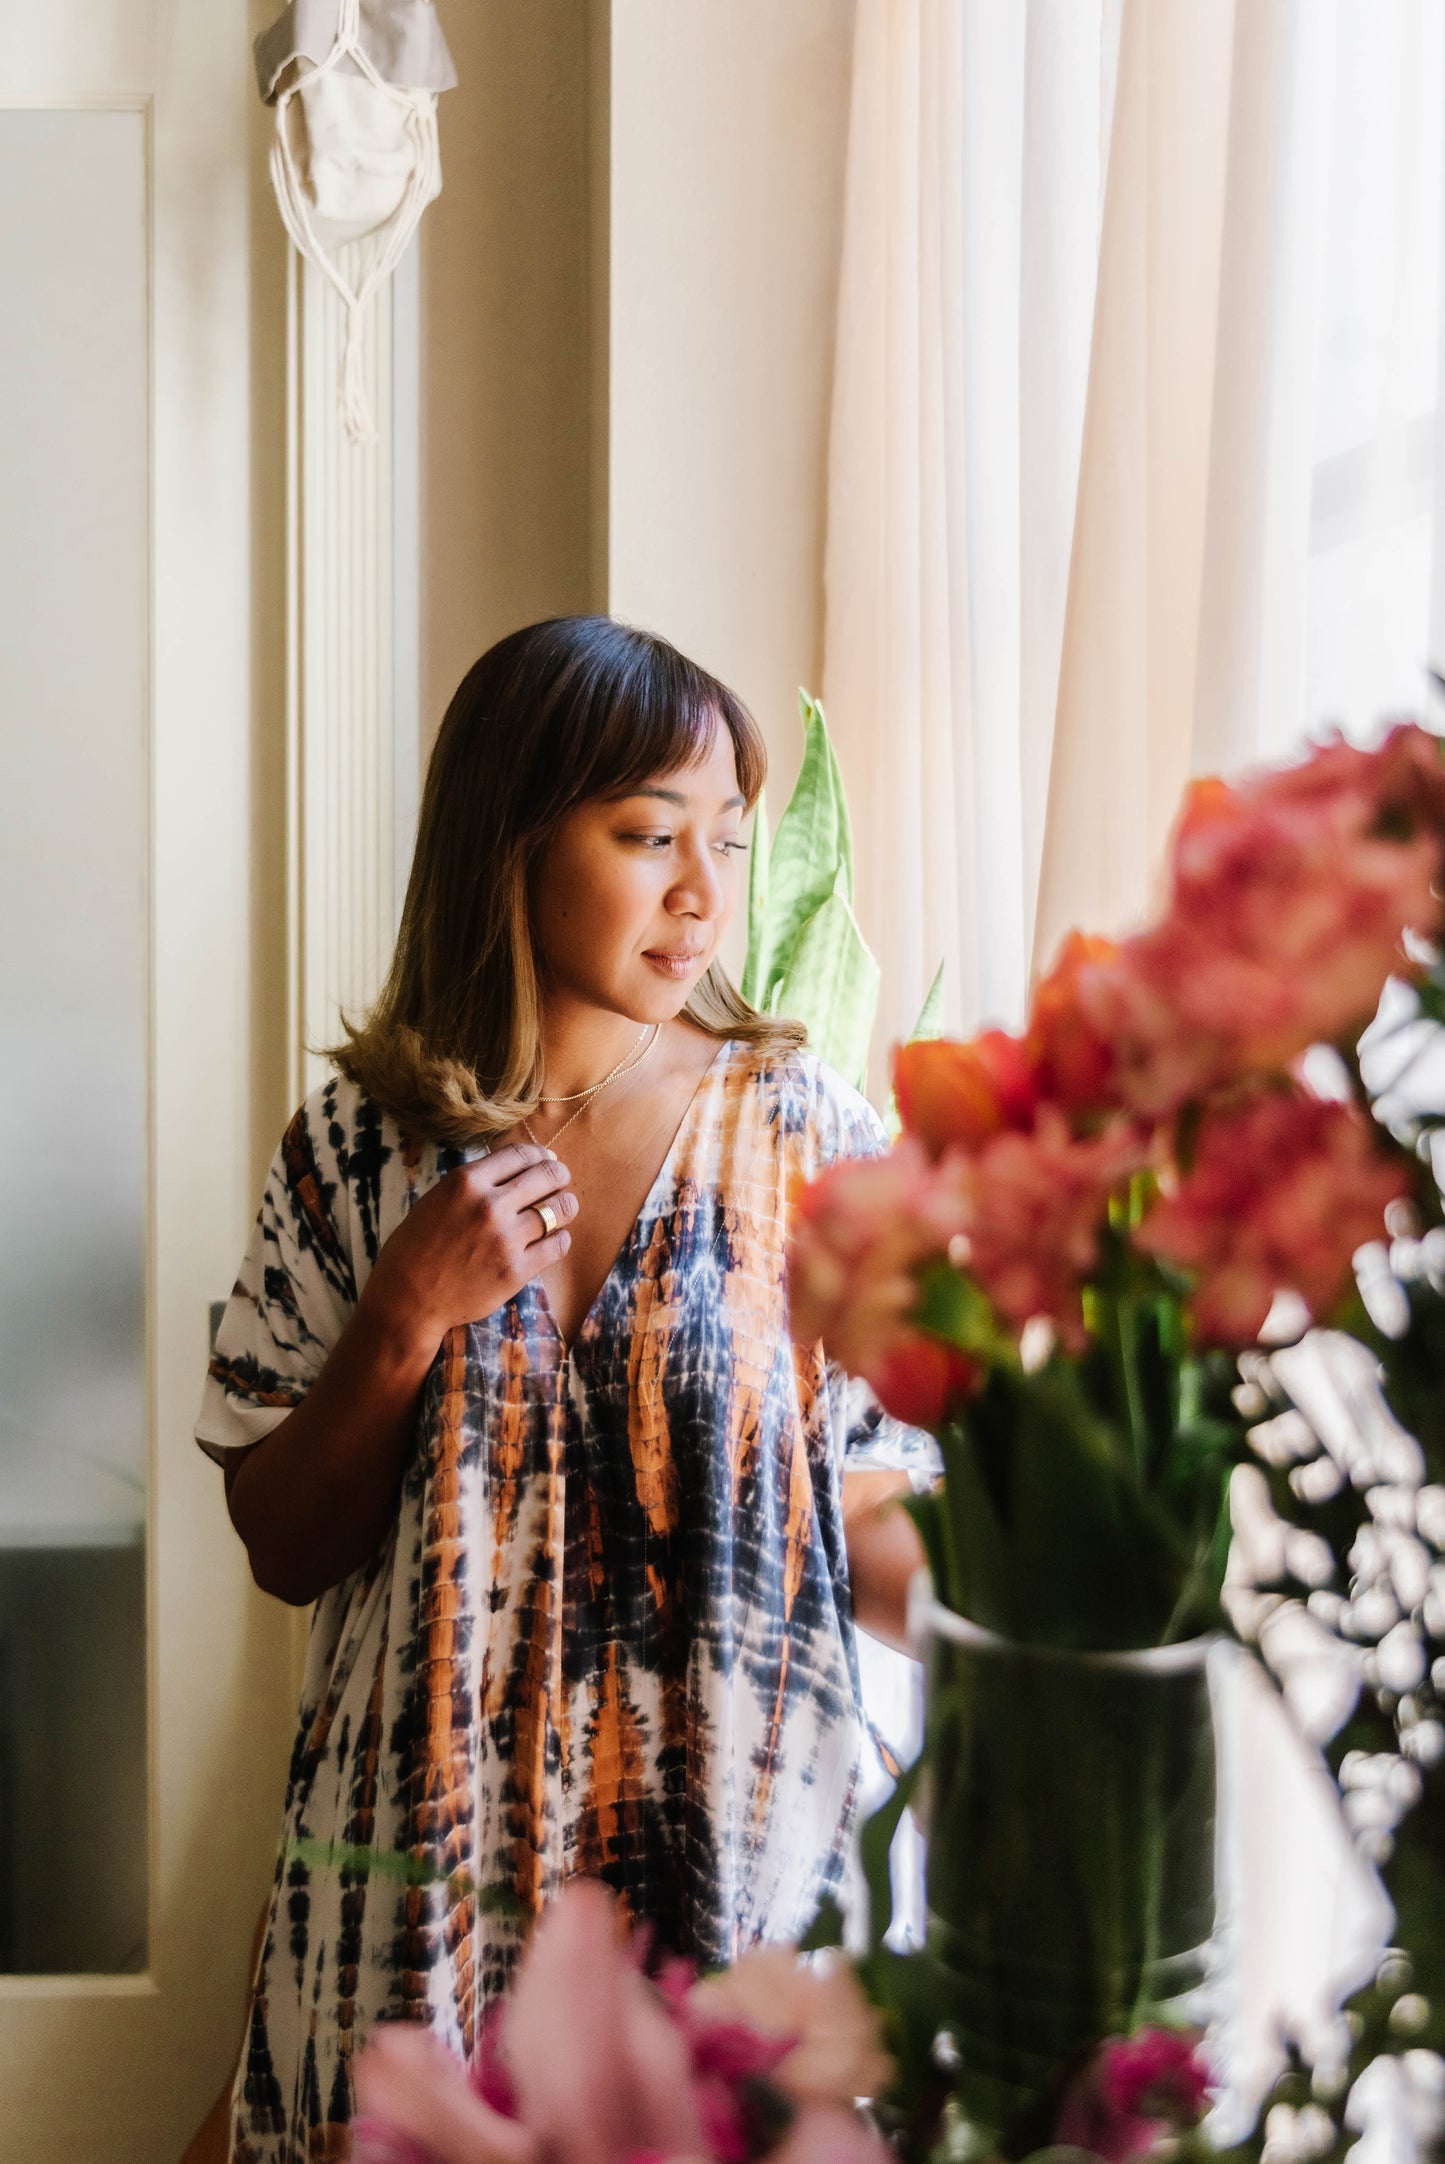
x=884 y=1551
x=314 y=1500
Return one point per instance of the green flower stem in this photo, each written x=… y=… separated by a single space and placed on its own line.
x=1120 y=1337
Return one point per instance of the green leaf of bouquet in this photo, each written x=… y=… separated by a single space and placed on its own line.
x=875 y=1850
x=812 y=852
x=830 y=983
x=752 y=986
x=826 y=1929
x=952 y=1307
x=1053 y=1539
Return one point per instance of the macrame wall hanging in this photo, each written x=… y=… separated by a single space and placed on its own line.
x=355 y=155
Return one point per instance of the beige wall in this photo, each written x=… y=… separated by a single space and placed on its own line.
x=505 y=338
x=628 y=297
x=728 y=139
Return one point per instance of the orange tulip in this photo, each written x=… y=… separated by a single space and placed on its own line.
x=954 y=1096
x=1072 y=1060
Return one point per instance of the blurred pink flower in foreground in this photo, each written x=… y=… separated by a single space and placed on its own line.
x=597 y=2065
x=1034 y=1208
x=858 y=1233
x=1289 y=894
x=1135 y=2091
x=834 y=2032
x=1283 y=1189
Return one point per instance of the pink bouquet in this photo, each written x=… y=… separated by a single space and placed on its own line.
x=589 y=2061
x=1099 y=1213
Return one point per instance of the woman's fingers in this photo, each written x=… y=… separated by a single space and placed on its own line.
x=500 y=1166
x=561 y=1209
x=533 y=1183
x=543 y=1253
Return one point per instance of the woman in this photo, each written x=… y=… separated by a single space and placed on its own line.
x=525 y=1421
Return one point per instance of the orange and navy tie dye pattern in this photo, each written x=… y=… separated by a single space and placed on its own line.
x=611 y=1631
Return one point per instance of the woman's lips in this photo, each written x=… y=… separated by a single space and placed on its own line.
x=673 y=963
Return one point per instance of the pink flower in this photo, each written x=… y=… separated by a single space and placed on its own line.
x=1283 y=1189
x=594 y=2064
x=599 y=2068
x=1290 y=897
x=859 y=1232
x=827 y=2034
x=622 y=2079
x=1135 y=2091
x=418 y=2107
x=1034 y=1208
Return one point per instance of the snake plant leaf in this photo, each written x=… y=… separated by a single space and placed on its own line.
x=811 y=856
x=928 y=1027
x=753 y=989
x=830 y=984
x=930 y=1016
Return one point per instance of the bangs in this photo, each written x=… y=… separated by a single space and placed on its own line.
x=648 y=710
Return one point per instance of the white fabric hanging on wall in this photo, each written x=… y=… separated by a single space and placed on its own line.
x=355 y=157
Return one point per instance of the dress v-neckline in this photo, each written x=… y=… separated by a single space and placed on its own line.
x=665 y=1171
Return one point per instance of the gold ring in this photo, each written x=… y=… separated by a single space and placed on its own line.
x=549 y=1217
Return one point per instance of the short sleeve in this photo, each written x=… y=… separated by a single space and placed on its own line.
x=843 y=1124
x=294 y=1294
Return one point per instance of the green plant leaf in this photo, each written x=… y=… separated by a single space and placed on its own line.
x=930 y=1015
x=830 y=983
x=926 y=1029
x=875 y=1852
x=826 y=1929
x=752 y=987
x=811 y=856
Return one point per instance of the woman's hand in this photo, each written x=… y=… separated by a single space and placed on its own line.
x=471 y=1243
x=884 y=1550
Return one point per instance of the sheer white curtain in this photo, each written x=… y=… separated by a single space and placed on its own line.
x=1132 y=466
x=961 y=367
x=1133 y=473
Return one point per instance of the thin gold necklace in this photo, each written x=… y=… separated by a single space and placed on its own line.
x=593 y=1087
x=628 y=1066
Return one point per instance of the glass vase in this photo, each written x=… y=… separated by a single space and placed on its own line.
x=1069 y=1803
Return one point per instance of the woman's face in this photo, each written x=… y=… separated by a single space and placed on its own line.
x=635 y=892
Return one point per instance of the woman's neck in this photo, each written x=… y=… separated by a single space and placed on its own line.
x=581 y=1044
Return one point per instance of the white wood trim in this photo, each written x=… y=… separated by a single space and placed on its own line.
x=406 y=563
x=343 y=723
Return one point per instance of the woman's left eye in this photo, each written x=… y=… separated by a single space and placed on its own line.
x=728 y=849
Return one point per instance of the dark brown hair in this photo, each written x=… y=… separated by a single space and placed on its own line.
x=563 y=711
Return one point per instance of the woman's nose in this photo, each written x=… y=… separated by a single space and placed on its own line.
x=699 y=889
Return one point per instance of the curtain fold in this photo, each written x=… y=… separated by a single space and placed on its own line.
x=1124 y=717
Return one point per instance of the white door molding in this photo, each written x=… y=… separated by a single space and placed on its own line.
x=352 y=724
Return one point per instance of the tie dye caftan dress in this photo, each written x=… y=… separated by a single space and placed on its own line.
x=610 y=1630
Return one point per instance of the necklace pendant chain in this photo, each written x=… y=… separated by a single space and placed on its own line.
x=626 y=1066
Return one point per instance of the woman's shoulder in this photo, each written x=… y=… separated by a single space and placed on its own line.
x=338 y=1156
x=339 y=1122
x=809 y=1104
